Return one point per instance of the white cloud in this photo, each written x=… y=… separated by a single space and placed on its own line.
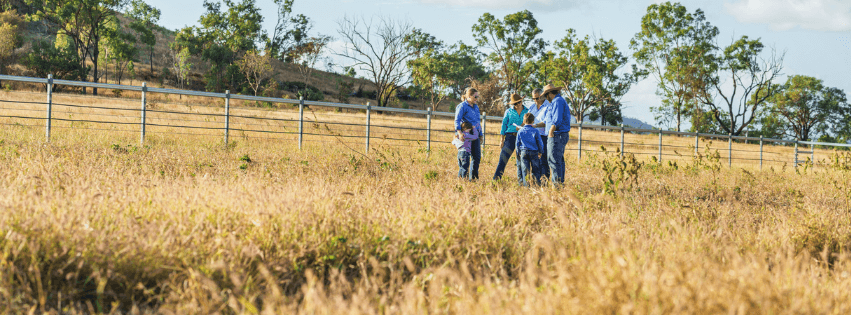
x=817 y=15
x=507 y=4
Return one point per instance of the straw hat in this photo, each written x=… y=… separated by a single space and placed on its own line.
x=550 y=88
x=515 y=99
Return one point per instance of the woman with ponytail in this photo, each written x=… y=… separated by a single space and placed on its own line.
x=468 y=111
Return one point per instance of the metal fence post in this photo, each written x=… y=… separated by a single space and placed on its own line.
x=660 y=145
x=49 y=106
x=812 y=155
x=227 y=116
x=580 y=141
x=428 y=131
x=144 y=109
x=760 y=152
x=730 y=149
x=368 y=113
x=300 y=121
x=621 y=140
x=484 y=120
x=696 y=143
x=796 y=154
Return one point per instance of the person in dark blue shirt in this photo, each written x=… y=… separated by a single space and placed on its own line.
x=559 y=120
x=468 y=111
x=529 y=147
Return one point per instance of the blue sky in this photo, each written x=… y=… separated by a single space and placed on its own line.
x=816 y=34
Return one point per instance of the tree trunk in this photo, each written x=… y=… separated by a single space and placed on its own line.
x=152 y=60
x=95 y=54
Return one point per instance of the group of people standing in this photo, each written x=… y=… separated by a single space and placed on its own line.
x=536 y=134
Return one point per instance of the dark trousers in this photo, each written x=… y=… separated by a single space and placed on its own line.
x=505 y=154
x=545 y=169
x=470 y=169
x=463 y=164
x=530 y=165
x=555 y=157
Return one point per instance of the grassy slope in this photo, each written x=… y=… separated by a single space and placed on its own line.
x=184 y=225
x=325 y=81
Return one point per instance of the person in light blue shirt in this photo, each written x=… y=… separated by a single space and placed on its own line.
x=510 y=121
x=558 y=117
x=539 y=108
x=468 y=111
x=529 y=146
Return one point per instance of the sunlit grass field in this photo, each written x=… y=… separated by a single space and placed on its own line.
x=92 y=222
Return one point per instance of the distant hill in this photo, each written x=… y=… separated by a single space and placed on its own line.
x=627 y=121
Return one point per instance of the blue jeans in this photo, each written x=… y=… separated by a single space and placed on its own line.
x=555 y=157
x=545 y=170
x=530 y=165
x=463 y=164
x=475 y=157
x=505 y=154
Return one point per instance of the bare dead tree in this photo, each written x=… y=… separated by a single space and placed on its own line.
x=379 y=49
x=744 y=82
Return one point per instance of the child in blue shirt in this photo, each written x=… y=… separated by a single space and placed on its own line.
x=529 y=146
x=464 y=148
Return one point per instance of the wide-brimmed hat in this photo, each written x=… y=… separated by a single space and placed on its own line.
x=550 y=88
x=515 y=99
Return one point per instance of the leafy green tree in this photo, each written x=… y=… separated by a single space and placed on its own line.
x=741 y=85
x=10 y=38
x=180 y=65
x=225 y=34
x=86 y=22
x=120 y=50
x=512 y=44
x=45 y=58
x=145 y=18
x=808 y=107
x=590 y=72
x=289 y=33
x=257 y=68
x=675 y=46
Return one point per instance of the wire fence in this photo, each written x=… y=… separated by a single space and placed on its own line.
x=208 y=114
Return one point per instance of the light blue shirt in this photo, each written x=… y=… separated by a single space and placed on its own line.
x=510 y=119
x=540 y=115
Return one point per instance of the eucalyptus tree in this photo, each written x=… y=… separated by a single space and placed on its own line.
x=511 y=45
x=675 y=46
x=86 y=22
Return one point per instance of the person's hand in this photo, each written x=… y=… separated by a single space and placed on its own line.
x=552 y=134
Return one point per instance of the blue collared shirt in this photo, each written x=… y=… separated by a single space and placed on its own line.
x=559 y=115
x=529 y=139
x=511 y=118
x=470 y=114
x=540 y=115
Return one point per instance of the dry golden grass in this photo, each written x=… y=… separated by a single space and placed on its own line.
x=94 y=223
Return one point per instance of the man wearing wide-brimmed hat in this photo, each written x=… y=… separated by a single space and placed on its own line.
x=558 y=116
x=513 y=117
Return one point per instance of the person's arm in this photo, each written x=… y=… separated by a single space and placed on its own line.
x=473 y=135
x=557 y=114
x=552 y=131
x=459 y=114
x=540 y=142
x=517 y=142
x=505 y=124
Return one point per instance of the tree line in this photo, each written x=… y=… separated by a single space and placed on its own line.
x=713 y=87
